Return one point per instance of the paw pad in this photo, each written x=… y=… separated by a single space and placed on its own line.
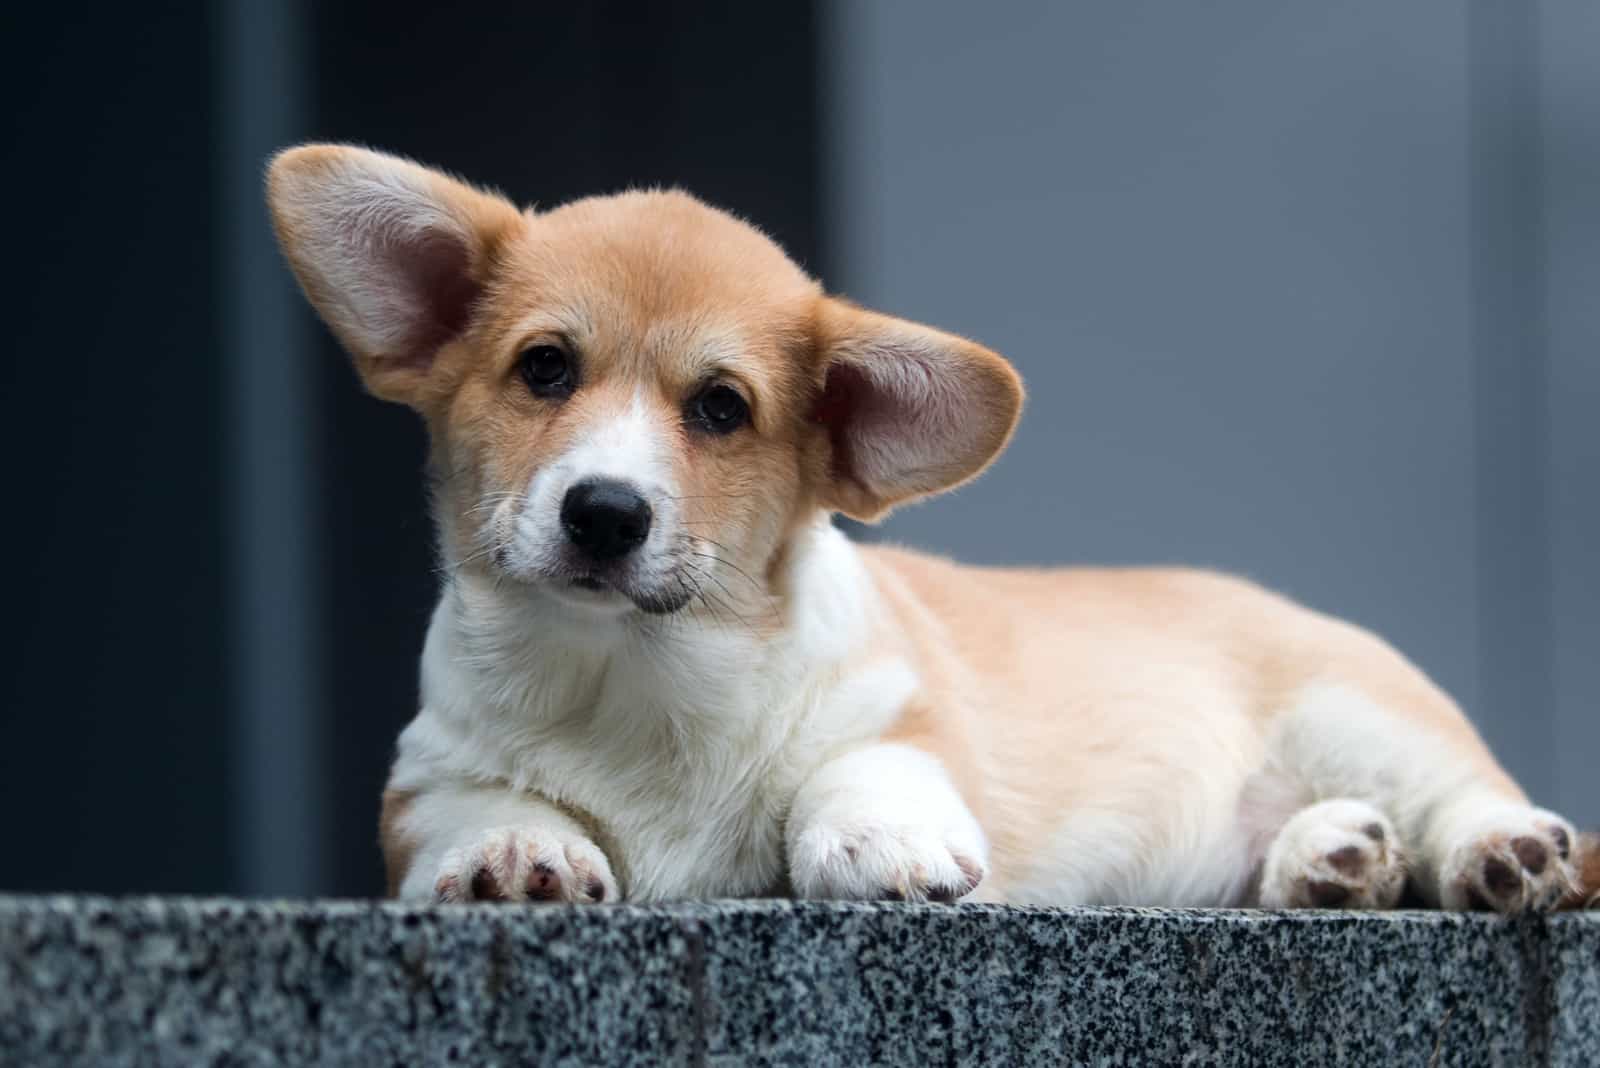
x=1522 y=863
x=517 y=865
x=1334 y=854
x=1531 y=853
x=919 y=888
x=883 y=862
x=1326 y=895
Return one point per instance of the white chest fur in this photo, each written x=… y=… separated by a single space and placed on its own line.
x=684 y=743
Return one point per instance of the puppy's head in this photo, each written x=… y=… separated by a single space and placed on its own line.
x=633 y=400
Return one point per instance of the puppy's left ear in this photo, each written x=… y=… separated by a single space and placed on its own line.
x=910 y=410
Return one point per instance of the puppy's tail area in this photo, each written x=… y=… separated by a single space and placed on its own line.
x=1587 y=894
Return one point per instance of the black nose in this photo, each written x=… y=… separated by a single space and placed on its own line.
x=606 y=519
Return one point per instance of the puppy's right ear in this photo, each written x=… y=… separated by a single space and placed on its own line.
x=393 y=255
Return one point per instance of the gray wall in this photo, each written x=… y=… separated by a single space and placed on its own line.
x=1299 y=292
x=1570 y=269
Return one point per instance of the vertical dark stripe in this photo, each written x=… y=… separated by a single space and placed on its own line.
x=113 y=690
x=1508 y=360
x=280 y=824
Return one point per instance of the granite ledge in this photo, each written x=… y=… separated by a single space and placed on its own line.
x=193 y=982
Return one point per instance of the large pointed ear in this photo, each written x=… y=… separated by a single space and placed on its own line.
x=909 y=410
x=393 y=255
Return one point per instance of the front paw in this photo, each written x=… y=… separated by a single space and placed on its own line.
x=869 y=860
x=525 y=864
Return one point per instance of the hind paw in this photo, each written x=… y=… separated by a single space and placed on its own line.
x=1520 y=859
x=1340 y=854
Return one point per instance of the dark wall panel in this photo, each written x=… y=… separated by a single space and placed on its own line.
x=112 y=767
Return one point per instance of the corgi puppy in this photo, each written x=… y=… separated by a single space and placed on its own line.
x=658 y=671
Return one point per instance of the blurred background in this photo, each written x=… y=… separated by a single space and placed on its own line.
x=1306 y=291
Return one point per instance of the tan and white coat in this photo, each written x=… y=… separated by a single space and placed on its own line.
x=812 y=717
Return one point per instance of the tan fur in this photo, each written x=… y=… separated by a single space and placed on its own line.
x=398 y=847
x=1041 y=693
x=589 y=275
x=568 y=280
x=1088 y=688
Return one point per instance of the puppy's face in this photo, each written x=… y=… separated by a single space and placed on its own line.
x=628 y=423
x=633 y=400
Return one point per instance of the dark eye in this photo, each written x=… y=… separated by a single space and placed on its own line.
x=719 y=409
x=548 y=371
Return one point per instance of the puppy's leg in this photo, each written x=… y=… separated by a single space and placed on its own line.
x=1334 y=854
x=1483 y=850
x=472 y=843
x=1473 y=839
x=884 y=822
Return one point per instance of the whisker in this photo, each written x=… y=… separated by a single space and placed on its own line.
x=728 y=604
x=772 y=608
x=707 y=496
x=452 y=569
x=489 y=504
x=735 y=568
x=699 y=595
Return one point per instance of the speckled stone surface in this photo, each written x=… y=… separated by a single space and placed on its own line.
x=92 y=981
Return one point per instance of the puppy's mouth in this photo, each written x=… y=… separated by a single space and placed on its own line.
x=670 y=597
